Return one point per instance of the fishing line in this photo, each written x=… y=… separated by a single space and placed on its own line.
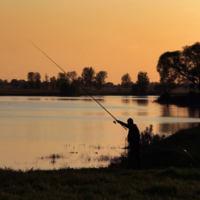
x=76 y=83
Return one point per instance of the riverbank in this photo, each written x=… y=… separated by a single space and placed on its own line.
x=180 y=150
x=171 y=173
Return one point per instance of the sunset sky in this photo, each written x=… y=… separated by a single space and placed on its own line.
x=117 y=36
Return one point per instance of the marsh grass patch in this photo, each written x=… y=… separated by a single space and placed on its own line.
x=52 y=157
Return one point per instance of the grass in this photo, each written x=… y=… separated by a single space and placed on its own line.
x=170 y=183
x=168 y=173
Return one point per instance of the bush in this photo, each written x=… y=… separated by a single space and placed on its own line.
x=147 y=137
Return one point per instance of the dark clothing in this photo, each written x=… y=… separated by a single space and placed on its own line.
x=134 y=155
x=133 y=134
x=134 y=143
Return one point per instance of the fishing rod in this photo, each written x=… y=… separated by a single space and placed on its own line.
x=76 y=83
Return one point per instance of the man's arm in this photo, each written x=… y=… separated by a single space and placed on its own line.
x=122 y=123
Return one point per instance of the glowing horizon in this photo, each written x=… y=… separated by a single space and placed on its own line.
x=114 y=36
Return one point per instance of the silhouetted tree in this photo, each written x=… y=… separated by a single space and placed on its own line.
x=46 y=81
x=1 y=82
x=135 y=89
x=46 y=78
x=158 y=88
x=142 y=84
x=72 y=75
x=30 y=77
x=37 y=80
x=74 y=88
x=64 y=88
x=126 y=80
x=34 y=80
x=67 y=87
x=53 y=82
x=100 y=79
x=62 y=78
x=180 y=67
x=14 y=83
x=80 y=81
x=87 y=75
x=5 y=82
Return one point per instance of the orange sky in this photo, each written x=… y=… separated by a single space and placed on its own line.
x=118 y=36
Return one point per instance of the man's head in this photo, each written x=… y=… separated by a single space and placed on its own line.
x=130 y=121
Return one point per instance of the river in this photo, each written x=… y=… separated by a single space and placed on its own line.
x=61 y=132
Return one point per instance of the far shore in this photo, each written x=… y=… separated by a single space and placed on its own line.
x=42 y=92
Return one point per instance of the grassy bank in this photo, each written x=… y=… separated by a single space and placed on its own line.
x=170 y=183
x=180 y=150
x=168 y=172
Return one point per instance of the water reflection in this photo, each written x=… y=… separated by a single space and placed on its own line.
x=166 y=111
x=88 y=100
x=175 y=111
x=33 y=99
x=142 y=102
x=126 y=100
x=142 y=113
x=193 y=112
x=169 y=128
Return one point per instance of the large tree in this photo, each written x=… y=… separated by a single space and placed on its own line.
x=126 y=80
x=88 y=75
x=100 y=79
x=180 y=67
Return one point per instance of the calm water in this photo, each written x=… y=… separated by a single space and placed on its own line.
x=78 y=130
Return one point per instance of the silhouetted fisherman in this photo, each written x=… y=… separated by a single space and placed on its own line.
x=134 y=142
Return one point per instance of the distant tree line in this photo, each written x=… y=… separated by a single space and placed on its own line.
x=68 y=83
x=176 y=69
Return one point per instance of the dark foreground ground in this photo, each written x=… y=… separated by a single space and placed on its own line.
x=170 y=171
x=170 y=183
